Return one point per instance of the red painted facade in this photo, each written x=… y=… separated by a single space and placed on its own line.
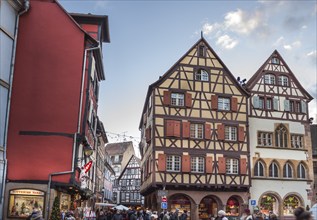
x=46 y=93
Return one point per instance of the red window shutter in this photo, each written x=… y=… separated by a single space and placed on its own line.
x=169 y=128
x=177 y=128
x=234 y=104
x=241 y=134
x=148 y=135
x=214 y=102
x=221 y=131
x=161 y=162
x=207 y=131
x=209 y=164
x=221 y=165
x=186 y=163
x=188 y=100
x=173 y=128
x=243 y=166
x=186 y=129
x=167 y=98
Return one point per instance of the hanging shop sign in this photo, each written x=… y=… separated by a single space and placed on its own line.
x=87 y=166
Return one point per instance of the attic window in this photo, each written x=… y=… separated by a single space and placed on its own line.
x=201 y=75
x=275 y=60
x=201 y=51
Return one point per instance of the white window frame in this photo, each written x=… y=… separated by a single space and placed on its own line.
x=177 y=99
x=202 y=75
x=224 y=103
x=297 y=141
x=259 y=165
x=230 y=133
x=288 y=168
x=173 y=163
x=268 y=103
x=301 y=171
x=265 y=138
x=197 y=164
x=232 y=166
x=196 y=131
x=269 y=79
x=274 y=169
x=283 y=80
x=275 y=60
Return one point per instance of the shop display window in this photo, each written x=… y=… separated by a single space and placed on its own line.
x=232 y=207
x=268 y=204
x=290 y=204
x=208 y=208
x=22 y=202
x=180 y=202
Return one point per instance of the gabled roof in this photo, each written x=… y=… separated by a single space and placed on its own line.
x=259 y=73
x=118 y=148
x=102 y=20
x=73 y=20
x=124 y=169
x=166 y=74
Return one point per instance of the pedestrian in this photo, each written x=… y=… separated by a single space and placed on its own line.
x=301 y=214
x=221 y=215
x=183 y=215
x=246 y=215
x=36 y=214
x=273 y=216
x=313 y=211
x=69 y=216
x=117 y=215
x=257 y=215
x=174 y=216
x=166 y=215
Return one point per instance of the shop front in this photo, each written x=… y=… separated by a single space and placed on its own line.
x=233 y=208
x=208 y=208
x=22 y=202
x=180 y=202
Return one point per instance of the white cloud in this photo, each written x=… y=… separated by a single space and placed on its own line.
x=279 y=41
x=241 y=22
x=304 y=27
x=312 y=54
x=295 y=44
x=209 y=28
x=226 y=42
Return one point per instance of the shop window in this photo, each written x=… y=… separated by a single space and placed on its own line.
x=180 y=202
x=22 y=202
x=290 y=203
x=269 y=204
x=208 y=208
x=232 y=207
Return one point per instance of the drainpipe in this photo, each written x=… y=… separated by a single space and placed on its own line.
x=75 y=136
x=26 y=8
x=82 y=86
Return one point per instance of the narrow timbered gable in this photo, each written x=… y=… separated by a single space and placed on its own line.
x=276 y=93
x=199 y=111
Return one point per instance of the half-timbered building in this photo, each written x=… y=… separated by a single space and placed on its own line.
x=130 y=182
x=194 y=137
x=280 y=139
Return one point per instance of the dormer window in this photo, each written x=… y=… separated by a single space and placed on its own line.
x=202 y=75
x=283 y=80
x=269 y=79
x=275 y=60
x=201 y=51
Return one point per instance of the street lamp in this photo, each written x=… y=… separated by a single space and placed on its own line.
x=88 y=150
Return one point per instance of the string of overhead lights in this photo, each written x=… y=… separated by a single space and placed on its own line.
x=123 y=137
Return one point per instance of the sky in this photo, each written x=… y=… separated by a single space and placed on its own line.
x=148 y=37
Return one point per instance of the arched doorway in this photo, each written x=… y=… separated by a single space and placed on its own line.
x=208 y=208
x=233 y=206
x=180 y=202
x=269 y=203
x=290 y=203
